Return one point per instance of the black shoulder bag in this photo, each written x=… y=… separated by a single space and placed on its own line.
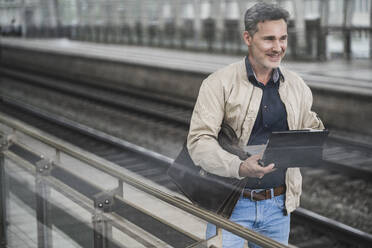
x=215 y=193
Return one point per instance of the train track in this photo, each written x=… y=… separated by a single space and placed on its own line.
x=309 y=228
x=341 y=155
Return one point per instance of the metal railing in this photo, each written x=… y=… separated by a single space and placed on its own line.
x=103 y=207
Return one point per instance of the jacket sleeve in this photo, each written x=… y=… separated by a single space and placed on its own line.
x=205 y=125
x=309 y=118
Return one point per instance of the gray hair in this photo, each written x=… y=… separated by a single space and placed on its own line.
x=261 y=12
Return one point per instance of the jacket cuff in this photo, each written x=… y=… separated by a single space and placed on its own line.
x=234 y=167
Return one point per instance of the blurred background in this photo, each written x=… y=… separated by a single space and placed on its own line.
x=99 y=95
x=318 y=29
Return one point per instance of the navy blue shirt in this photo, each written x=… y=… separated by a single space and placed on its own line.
x=271 y=117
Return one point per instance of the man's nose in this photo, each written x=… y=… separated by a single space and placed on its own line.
x=276 y=46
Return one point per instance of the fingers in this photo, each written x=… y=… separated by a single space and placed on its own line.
x=265 y=170
x=269 y=168
x=251 y=168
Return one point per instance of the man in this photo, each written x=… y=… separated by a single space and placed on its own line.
x=255 y=97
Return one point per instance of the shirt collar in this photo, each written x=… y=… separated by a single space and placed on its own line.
x=276 y=77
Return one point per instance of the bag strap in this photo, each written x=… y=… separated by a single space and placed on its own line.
x=229 y=141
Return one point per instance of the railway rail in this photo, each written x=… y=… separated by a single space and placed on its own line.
x=341 y=154
x=332 y=234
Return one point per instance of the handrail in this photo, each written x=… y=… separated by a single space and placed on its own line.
x=106 y=167
x=86 y=203
x=82 y=179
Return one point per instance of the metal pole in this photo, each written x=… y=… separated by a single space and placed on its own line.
x=370 y=29
x=43 y=12
x=159 y=34
x=176 y=15
x=4 y=145
x=197 y=23
x=109 y=18
x=56 y=13
x=43 y=208
x=242 y=10
x=3 y=219
x=219 y=19
x=80 y=13
x=323 y=32
x=139 y=21
x=24 y=21
x=98 y=237
x=5 y=142
x=300 y=27
x=80 y=21
x=348 y=10
x=102 y=228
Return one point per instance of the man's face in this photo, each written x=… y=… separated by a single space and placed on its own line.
x=268 y=45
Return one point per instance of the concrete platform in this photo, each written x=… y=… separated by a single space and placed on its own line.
x=342 y=89
x=358 y=70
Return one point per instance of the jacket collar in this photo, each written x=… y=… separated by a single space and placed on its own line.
x=276 y=75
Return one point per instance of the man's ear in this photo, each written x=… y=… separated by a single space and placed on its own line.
x=247 y=38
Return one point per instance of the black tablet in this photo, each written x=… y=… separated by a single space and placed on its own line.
x=295 y=148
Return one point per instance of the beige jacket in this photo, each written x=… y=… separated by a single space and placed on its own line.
x=228 y=95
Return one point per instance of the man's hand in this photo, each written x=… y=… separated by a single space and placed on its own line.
x=251 y=168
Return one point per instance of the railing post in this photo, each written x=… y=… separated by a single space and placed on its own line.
x=43 y=208
x=3 y=219
x=102 y=228
x=5 y=142
x=215 y=241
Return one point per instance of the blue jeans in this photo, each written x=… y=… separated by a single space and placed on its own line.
x=265 y=217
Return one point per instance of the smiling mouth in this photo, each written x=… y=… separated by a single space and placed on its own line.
x=275 y=57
